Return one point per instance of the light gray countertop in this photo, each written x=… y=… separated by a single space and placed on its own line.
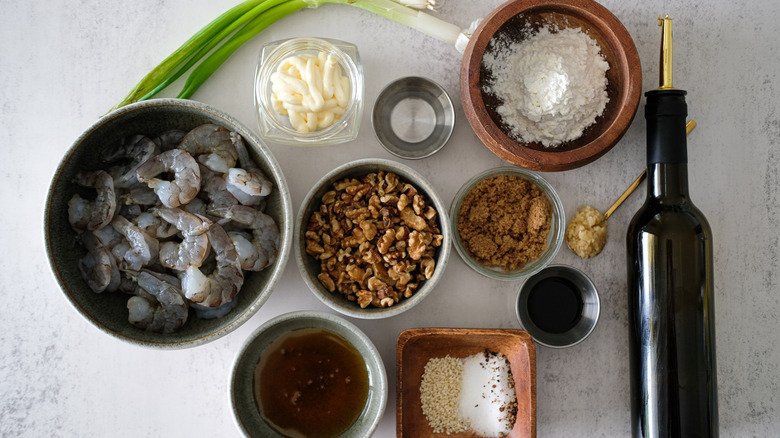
x=65 y=63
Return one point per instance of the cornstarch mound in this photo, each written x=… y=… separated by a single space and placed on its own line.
x=476 y=393
x=553 y=84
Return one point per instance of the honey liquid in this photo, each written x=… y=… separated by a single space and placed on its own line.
x=311 y=383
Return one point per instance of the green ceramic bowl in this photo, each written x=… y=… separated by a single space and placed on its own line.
x=242 y=398
x=107 y=311
x=310 y=267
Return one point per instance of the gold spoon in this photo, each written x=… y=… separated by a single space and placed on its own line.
x=586 y=233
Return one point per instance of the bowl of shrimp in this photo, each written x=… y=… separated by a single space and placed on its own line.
x=168 y=223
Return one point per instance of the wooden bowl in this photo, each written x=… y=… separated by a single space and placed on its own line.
x=624 y=81
x=416 y=346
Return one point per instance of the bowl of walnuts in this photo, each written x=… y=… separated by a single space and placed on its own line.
x=372 y=238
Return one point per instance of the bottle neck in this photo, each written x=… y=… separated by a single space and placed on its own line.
x=667 y=149
x=668 y=182
x=665 y=113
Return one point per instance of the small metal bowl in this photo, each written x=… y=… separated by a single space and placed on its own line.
x=585 y=320
x=413 y=118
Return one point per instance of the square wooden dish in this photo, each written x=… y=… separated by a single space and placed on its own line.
x=418 y=345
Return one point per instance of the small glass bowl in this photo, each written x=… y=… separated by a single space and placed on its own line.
x=554 y=237
x=277 y=128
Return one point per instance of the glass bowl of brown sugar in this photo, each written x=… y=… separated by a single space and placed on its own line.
x=507 y=223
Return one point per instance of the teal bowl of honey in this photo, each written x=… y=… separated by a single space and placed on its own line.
x=308 y=374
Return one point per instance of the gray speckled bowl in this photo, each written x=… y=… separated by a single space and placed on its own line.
x=107 y=311
x=242 y=396
x=310 y=267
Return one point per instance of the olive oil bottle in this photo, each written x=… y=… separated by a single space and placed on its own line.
x=670 y=284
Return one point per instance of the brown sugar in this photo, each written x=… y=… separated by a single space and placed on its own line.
x=503 y=222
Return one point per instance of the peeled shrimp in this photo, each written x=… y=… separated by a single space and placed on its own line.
x=186 y=182
x=222 y=285
x=166 y=313
x=204 y=312
x=214 y=189
x=259 y=250
x=155 y=226
x=143 y=249
x=140 y=195
x=109 y=237
x=113 y=241
x=98 y=268
x=169 y=139
x=212 y=145
x=133 y=151
x=196 y=206
x=97 y=213
x=194 y=246
x=248 y=183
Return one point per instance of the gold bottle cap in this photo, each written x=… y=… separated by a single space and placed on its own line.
x=665 y=79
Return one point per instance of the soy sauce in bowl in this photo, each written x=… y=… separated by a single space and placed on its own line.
x=558 y=306
x=555 y=304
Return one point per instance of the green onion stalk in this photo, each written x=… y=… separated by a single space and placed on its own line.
x=211 y=46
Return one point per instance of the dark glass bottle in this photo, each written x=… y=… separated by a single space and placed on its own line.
x=671 y=310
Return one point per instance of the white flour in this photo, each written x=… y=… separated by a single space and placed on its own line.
x=552 y=85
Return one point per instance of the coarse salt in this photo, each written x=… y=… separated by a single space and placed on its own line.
x=552 y=85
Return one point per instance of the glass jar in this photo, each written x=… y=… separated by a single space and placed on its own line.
x=277 y=128
x=554 y=236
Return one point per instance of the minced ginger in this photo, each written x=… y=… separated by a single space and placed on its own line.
x=586 y=233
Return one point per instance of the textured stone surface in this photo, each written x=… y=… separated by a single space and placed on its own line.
x=66 y=63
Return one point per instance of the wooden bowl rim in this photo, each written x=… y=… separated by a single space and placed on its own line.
x=463 y=342
x=550 y=160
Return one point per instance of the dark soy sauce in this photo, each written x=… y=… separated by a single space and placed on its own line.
x=555 y=304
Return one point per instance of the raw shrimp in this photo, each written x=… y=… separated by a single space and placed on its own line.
x=114 y=242
x=166 y=313
x=248 y=183
x=140 y=195
x=203 y=312
x=169 y=139
x=98 y=268
x=214 y=189
x=222 y=285
x=212 y=145
x=196 y=206
x=194 y=245
x=133 y=151
x=130 y=286
x=155 y=226
x=109 y=236
x=186 y=182
x=143 y=249
x=129 y=211
x=97 y=213
x=262 y=248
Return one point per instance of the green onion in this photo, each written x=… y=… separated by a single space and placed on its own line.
x=163 y=71
x=239 y=24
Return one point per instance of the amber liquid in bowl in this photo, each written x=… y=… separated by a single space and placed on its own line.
x=311 y=383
